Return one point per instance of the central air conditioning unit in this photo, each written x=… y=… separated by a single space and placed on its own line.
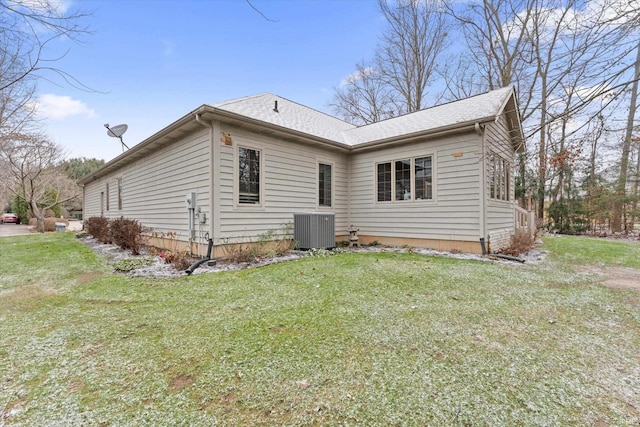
x=314 y=230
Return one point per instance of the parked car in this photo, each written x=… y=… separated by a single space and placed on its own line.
x=9 y=217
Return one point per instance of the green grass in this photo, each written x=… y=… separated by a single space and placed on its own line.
x=575 y=250
x=352 y=339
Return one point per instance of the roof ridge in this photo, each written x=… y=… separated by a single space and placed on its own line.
x=316 y=110
x=435 y=106
x=239 y=99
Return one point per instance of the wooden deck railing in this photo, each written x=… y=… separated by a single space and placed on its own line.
x=525 y=220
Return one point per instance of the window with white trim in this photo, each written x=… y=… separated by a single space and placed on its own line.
x=405 y=179
x=248 y=176
x=384 y=182
x=423 y=173
x=324 y=185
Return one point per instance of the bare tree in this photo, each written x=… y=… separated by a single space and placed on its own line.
x=364 y=98
x=618 y=206
x=544 y=47
x=28 y=28
x=31 y=162
x=413 y=42
x=405 y=64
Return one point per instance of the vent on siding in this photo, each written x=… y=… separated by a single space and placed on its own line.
x=314 y=230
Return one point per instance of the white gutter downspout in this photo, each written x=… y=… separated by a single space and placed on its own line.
x=483 y=182
x=209 y=125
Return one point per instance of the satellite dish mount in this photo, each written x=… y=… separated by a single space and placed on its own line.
x=117 y=132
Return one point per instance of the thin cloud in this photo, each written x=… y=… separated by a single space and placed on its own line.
x=59 y=107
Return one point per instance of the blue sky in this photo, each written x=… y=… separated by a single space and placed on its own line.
x=151 y=62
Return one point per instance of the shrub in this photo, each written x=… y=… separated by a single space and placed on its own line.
x=521 y=242
x=127 y=234
x=98 y=227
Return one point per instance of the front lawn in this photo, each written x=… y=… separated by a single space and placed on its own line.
x=352 y=339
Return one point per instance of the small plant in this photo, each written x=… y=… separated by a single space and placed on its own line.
x=169 y=251
x=179 y=260
x=127 y=265
x=239 y=252
x=322 y=252
x=374 y=243
x=269 y=244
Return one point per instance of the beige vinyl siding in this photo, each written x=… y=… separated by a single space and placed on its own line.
x=454 y=212
x=154 y=187
x=91 y=201
x=500 y=213
x=289 y=184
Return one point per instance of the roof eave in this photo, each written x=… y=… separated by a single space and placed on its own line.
x=139 y=149
x=207 y=113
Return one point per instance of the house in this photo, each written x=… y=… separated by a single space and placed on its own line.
x=439 y=178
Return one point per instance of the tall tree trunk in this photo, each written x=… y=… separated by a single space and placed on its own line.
x=636 y=194
x=542 y=154
x=618 y=203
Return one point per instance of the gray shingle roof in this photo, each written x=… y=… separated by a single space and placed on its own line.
x=290 y=115
x=475 y=108
x=298 y=117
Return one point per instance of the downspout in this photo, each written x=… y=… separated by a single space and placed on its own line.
x=483 y=191
x=349 y=180
x=212 y=219
x=84 y=202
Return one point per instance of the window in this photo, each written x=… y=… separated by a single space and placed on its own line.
x=423 y=174
x=499 y=178
x=409 y=175
x=403 y=179
x=384 y=182
x=119 y=194
x=248 y=176
x=324 y=185
x=107 y=195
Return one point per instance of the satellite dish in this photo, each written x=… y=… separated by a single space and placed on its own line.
x=117 y=132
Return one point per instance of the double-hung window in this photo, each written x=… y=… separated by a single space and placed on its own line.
x=405 y=179
x=248 y=176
